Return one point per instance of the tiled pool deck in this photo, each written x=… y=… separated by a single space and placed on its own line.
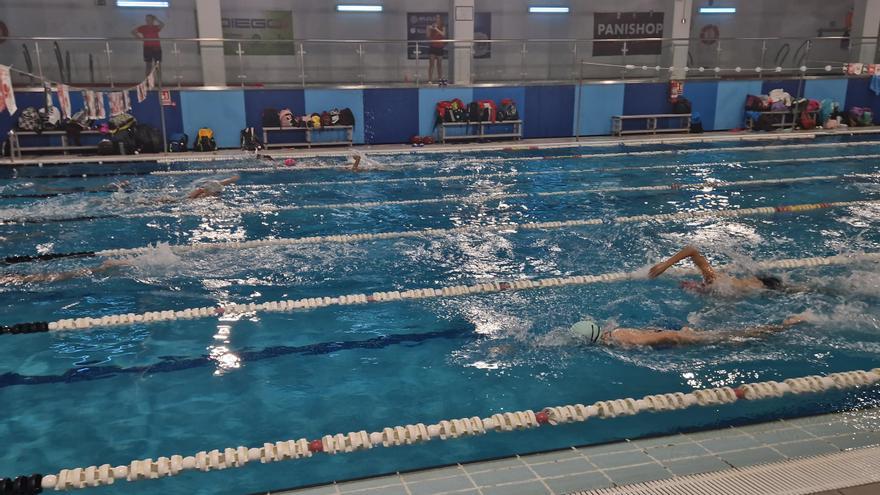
x=585 y=468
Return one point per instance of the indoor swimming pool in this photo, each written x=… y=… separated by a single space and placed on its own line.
x=114 y=393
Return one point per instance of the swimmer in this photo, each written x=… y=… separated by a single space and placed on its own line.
x=122 y=185
x=589 y=331
x=212 y=188
x=357 y=158
x=711 y=278
x=48 y=278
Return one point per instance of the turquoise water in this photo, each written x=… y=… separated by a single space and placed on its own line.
x=116 y=394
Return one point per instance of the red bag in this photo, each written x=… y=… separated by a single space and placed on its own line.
x=493 y=111
x=807 y=121
x=813 y=105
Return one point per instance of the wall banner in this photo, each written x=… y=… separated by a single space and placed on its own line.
x=264 y=26
x=627 y=25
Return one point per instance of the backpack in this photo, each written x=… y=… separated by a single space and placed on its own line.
x=475 y=112
x=315 y=121
x=285 y=118
x=178 y=142
x=444 y=111
x=325 y=119
x=681 y=105
x=249 y=141
x=271 y=118
x=120 y=122
x=807 y=121
x=813 y=105
x=755 y=103
x=147 y=139
x=50 y=117
x=124 y=141
x=106 y=147
x=301 y=121
x=205 y=140
x=81 y=119
x=490 y=111
x=856 y=116
x=29 y=120
x=346 y=117
x=508 y=110
x=778 y=106
x=764 y=123
x=334 y=116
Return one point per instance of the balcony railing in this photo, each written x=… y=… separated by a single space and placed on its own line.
x=115 y=62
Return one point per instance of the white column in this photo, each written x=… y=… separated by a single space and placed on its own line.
x=213 y=61
x=866 y=23
x=461 y=20
x=681 y=28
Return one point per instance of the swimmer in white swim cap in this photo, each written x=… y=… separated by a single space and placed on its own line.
x=212 y=188
x=588 y=331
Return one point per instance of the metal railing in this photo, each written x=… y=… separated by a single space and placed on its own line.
x=188 y=62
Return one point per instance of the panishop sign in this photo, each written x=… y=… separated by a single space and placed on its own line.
x=627 y=26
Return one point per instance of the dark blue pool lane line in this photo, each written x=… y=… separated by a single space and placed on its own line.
x=179 y=363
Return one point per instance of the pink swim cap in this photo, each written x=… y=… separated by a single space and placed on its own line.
x=289 y=162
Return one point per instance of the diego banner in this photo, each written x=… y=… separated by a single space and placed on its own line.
x=261 y=27
x=627 y=25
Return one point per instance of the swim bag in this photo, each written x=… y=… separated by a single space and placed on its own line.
x=285 y=118
x=271 y=118
x=29 y=120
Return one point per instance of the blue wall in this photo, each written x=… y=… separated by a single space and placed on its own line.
x=394 y=115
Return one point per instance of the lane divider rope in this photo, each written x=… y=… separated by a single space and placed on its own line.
x=446 y=429
x=531 y=158
x=506 y=228
x=474 y=198
x=482 y=198
x=492 y=287
x=514 y=174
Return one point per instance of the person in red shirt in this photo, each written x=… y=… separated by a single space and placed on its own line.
x=149 y=32
x=436 y=32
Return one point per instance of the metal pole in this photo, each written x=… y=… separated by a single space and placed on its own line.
x=577 y=120
x=360 y=52
x=574 y=61
x=241 y=75
x=418 y=68
x=763 y=54
x=176 y=53
x=39 y=64
x=718 y=59
x=302 y=64
x=157 y=67
x=108 y=51
x=522 y=63
x=623 y=52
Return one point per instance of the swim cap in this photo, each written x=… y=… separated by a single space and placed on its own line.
x=587 y=329
x=289 y=162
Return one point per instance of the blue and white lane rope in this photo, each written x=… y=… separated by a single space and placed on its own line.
x=501 y=228
x=446 y=429
x=482 y=198
x=526 y=158
x=516 y=174
x=492 y=287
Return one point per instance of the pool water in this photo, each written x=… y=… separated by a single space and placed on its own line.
x=111 y=395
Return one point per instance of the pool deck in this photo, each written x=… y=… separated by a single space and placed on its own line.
x=832 y=441
x=593 y=141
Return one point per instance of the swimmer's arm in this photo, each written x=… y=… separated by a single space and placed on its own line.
x=657 y=338
x=762 y=330
x=688 y=252
x=231 y=180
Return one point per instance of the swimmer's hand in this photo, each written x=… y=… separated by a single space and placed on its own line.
x=658 y=269
x=795 y=320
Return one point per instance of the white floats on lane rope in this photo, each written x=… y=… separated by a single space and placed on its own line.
x=514 y=174
x=502 y=228
x=525 y=158
x=448 y=429
x=411 y=294
x=482 y=198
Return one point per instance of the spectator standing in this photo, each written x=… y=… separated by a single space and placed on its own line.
x=436 y=32
x=149 y=32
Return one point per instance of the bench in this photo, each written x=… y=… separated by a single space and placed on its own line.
x=64 y=147
x=308 y=135
x=650 y=123
x=480 y=128
x=783 y=122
